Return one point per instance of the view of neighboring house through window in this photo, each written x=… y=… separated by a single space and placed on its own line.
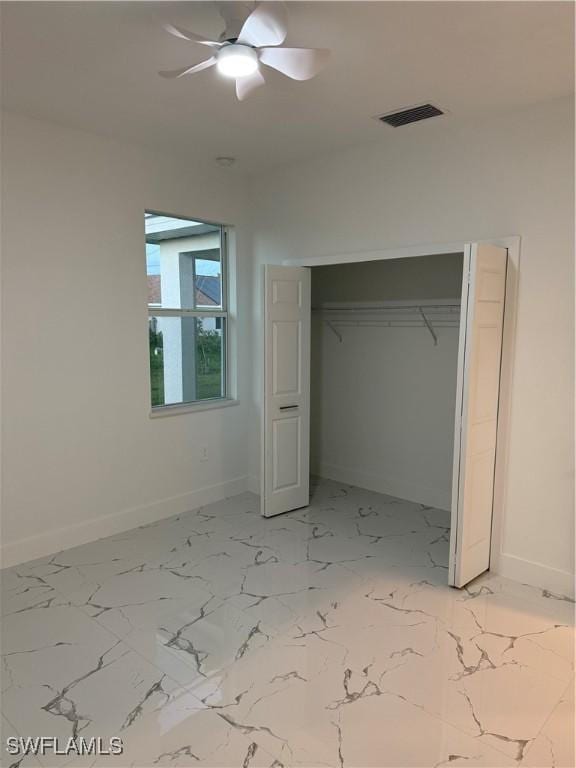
x=187 y=309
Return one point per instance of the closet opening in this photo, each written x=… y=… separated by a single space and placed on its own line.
x=383 y=371
x=383 y=374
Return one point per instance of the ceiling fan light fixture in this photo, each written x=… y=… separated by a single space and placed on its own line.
x=236 y=60
x=242 y=54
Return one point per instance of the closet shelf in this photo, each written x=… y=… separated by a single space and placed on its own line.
x=399 y=314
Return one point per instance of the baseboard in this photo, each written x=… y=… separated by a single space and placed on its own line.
x=253 y=484
x=433 y=497
x=57 y=540
x=535 y=574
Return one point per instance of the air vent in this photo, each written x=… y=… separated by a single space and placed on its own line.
x=412 y=115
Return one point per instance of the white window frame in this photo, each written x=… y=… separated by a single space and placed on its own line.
x=227 y=399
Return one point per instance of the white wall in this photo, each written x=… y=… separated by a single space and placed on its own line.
x=422 y=277
x=383 y=399
x=447 y=181
x=81 y=457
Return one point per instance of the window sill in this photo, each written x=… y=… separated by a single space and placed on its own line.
x=208 y=405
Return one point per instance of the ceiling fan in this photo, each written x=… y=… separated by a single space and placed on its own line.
x=240 y=54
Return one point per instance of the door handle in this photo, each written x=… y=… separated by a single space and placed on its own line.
x=287 y=407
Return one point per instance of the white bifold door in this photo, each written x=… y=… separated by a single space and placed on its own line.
x=478 y=388
x=286 y=418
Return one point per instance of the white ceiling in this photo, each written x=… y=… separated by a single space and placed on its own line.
x=94 y=65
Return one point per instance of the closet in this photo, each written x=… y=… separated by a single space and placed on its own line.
x=384 y=355
x=384 y=372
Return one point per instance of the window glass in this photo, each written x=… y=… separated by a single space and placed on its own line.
x=208 y=277
x=183 y=263
x=186 y=286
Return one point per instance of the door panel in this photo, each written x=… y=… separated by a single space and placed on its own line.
x=482 y=317
x=286 y=452
x=286 y=418
x=287 y=339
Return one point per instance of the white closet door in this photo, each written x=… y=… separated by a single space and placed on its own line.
x=480 y=350
x=286 y=432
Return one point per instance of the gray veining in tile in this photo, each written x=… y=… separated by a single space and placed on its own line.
x=324 y=637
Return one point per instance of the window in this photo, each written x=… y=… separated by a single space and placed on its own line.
x=187 y=309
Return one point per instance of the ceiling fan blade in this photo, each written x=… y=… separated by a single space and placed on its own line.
x=245 y=85
x=265 y=26
x=234 y=15
x=192 y=37
x=297 y=63
x=175 y=73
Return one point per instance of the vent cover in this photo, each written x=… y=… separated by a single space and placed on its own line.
x=412 y=115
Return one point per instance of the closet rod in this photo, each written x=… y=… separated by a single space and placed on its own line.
x=398 y=314
x=334 y=325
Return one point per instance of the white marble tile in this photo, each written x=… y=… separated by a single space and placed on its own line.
x=8 y=759
x=248 y=694
x=211 y=640
x=541 y=639
x=369 y=636
x=21 y=592
x=327 y=636
x=554 y=747
x=185 y=733
x=65 y=675
x=139 y=599
x=49 y=646
x=112 y=692
x=491 y=583
x=475 y=681
x=76 y=574
x=271 y=611
x=220 y=565
x=510 y=629
x=366 y=728
x=222 y=519
x=307 y=708
x=244 y=507
x=302 y=587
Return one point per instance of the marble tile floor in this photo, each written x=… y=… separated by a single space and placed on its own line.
x=324 y=637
